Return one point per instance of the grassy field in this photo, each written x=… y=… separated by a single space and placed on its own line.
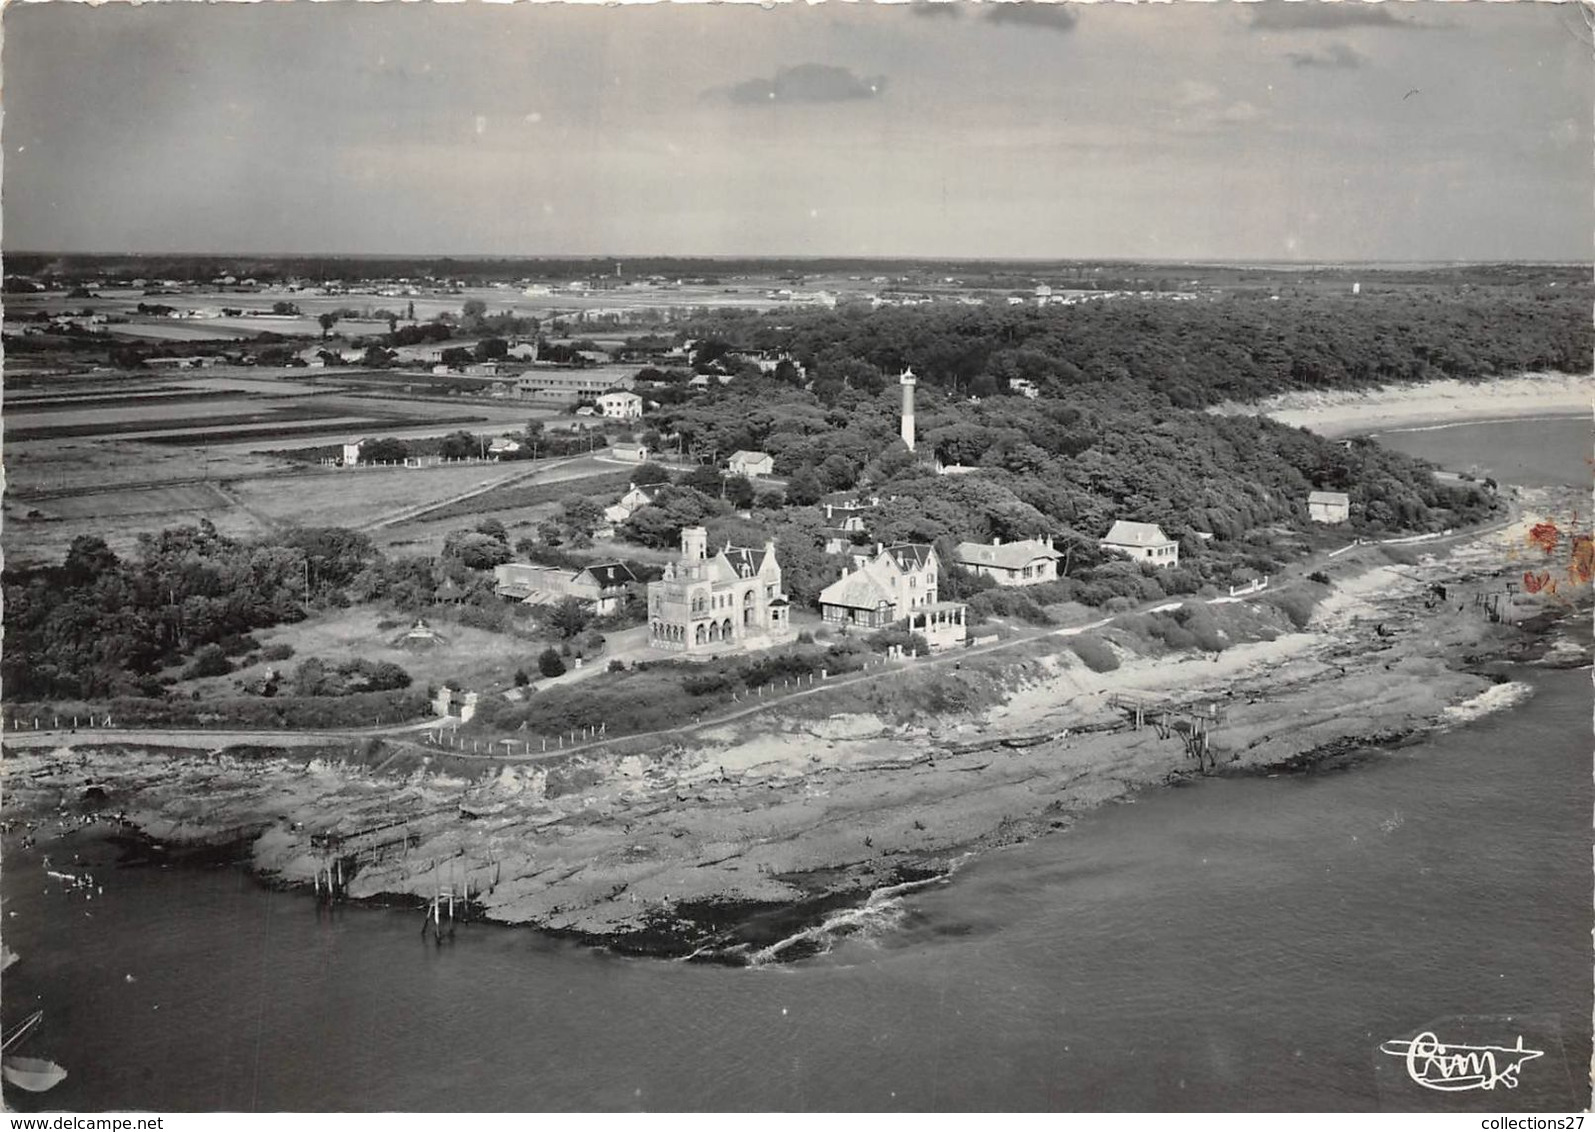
x=472 y=658
x=532 y=494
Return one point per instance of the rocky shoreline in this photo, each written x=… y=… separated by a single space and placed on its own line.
x=771 y=836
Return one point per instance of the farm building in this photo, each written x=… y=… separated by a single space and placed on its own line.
x=709 y=603
x=351 y=452
x=1025 y=562
x=1328 y=506
x=1144 y=542
x=750 y=464
x=601 y=586
x=631 y=451
x=503 y=446
x=895 y=586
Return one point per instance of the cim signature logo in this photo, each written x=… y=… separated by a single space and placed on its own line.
x=1456 y=1068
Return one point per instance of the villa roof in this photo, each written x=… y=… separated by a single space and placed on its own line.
x=746 y=456
x=745 y=559
x=858 y=590
x=1005 y=556
x=910 y=555
x=1126 y=533
x=1333 y=497
x=608 y=574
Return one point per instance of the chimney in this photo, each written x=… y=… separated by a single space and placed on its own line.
x=996 y=540
x=879 y=547
x=827 y=510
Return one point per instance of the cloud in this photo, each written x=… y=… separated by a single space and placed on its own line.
x=1056 y=16
x=1327 y=15
x=1336 y=55
x=806 y=82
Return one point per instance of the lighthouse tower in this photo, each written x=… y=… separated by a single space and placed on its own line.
x=908 y=381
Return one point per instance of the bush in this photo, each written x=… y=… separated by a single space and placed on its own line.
x=1094 y=652
x=1318 y=576
x=521 y=679
x=617 y=665
x=805 y=638
x=913 y=643
x=707 y=683
x=1198 y=621
x=280 y=651
x=549 y=663
x=1009 y=603
x=1297 y=605
x=208 y=661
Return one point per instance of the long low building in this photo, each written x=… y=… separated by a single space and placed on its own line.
x=603 y=586
x=1143 y=542
x=567 y=386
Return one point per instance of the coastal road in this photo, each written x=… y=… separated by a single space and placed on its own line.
x=216 y=739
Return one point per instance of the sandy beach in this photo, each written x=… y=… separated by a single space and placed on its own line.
x=1347 y=412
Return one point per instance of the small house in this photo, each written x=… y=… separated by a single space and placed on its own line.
x=621 y=405
x=750 y=464
x=351 y=453
x=1328 y=506
x=623 y=508
x=503 y=446
x=1025 y=562
x=1142 y=542
x=630 y=451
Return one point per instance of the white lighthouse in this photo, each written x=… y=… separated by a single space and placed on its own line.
x=908 y=381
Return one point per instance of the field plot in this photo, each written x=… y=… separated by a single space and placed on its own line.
x=47 y=468
x=172 y=330
x=166 y=500
x=174 y=421
x=353 y=497
x=38 y=532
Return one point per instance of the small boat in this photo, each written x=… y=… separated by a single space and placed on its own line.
x=31 y=1074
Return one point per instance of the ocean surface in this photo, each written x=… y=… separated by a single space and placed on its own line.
x=1534 y=452
x=1228 y=944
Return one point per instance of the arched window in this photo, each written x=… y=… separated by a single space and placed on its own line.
x=725 y=629
x=747 y=599
x=701 y=634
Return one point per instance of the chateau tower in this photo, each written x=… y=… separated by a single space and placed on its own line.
x=694 y=544
x=908 y=381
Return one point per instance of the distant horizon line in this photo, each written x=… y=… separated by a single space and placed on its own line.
x=808 y=257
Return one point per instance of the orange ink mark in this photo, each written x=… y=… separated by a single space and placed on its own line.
x=1582 y=566
x=1534 y=583
x=1545 y=536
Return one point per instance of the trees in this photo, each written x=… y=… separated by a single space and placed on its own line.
x=460 y=445
x=549 y=663
x=805 y=487
x=283 y=307
x=568 y=617
x=739 y=492
x=648 y=474
x=490 y=348
x=475 y=550
x=327 y=320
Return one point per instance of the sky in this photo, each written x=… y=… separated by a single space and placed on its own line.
x=1409 y=130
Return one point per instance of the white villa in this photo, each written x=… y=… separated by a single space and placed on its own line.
x=1025 y=562
x=1328 y=506
x=712 y=603
x=621 y=405
x=897 y=585
x=750 y=464
x=1143 y=542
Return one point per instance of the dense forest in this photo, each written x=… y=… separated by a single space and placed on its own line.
x=1188 y=353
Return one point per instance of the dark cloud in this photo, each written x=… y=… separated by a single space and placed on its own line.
x=1336 y=55
x=1056 y=16
x=806 y=82
x=1327 y=15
